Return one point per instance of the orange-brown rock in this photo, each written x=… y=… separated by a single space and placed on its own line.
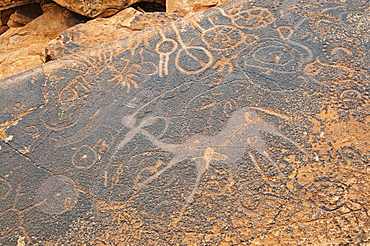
x=102 y=30
x=3 y=29
x=99 y=8
x=247 y=124
x=4 y=16
x=7 y=4
x=28 y=10
x=186 y=7
x=24 y=47
x=20 y=18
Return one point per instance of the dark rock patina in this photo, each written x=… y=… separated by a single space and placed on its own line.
x=244 y=124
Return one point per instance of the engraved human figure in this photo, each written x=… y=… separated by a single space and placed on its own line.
x=242 y=132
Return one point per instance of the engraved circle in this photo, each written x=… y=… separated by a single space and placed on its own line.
x=256 y=17
x=223 y=37
x=58 y=116
x=84 y=157
x=193 y=59
x=342 y=52
x=166 y=46
x=57 y=195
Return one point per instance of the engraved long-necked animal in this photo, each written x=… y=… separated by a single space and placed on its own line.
x=242 y=132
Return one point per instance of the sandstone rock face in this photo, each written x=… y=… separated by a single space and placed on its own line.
x=101 y=8
x=7 y=4
x=18 y=19
x=188 y=7
x=24 y=47
x=99 y=31
x=18 y=16
x=245 y=124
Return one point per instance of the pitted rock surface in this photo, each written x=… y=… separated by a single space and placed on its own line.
x=246 y=124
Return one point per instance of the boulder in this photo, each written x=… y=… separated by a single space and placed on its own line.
x=3 y=29
x=18 y=19
x=188 y=7
x=24 y=47
x=103 y=30
x=99 y=8
x=21 y=15
x=7 y=4
x=244 y=124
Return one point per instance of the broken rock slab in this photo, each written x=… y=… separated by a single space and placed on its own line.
x=245 y=124
x=189 y=7
x=7 y=4
x=25 y=13
x=24 y=47
x=3 y=29
x=99 y=8
x=18 y=19
x=103 y=30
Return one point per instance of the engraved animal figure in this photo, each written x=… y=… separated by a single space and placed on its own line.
x=242 y=132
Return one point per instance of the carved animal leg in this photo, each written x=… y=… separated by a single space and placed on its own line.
x=268 y=157
x=202 y=166
x=172 y=163
x=270 y=129
x=129 y=136
x=258 y=144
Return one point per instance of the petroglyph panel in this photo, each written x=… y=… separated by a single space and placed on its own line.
x=246 y=124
